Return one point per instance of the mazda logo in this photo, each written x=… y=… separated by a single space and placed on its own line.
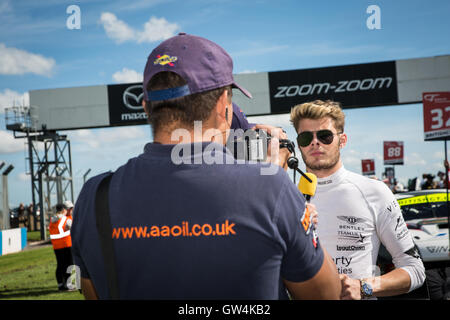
x=132 y=97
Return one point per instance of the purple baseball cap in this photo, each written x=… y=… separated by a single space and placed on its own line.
x=203 y=64
x=239 y=119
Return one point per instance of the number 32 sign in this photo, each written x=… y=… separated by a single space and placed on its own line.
x=436 y=115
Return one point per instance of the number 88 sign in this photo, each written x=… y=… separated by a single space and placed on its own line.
x=393 y=152
x=436 y=115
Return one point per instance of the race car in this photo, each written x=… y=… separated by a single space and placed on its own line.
x=426 y=215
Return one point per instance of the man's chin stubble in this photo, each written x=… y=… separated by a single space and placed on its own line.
x=324 y=166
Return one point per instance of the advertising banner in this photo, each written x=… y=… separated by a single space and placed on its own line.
x=436 y=115
x=359 y=85
x=125 y=104
x=393 y=152
x=368 y=167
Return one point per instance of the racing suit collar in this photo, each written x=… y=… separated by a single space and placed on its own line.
x=332 y=180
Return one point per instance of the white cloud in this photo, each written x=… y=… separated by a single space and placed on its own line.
x=415 y=159
x=9 y=98
x=127 y=76
x=8 y=144
x=155 y=29
x=112 y=145
x=86 y=137
x=14 y=61
x=105 y=137
x=115 y=28
x=351 y=158
x=279 y=120
x=438 y=166
x=438 y=155
x=83 y=133
x=120 y=134
x=24 y=177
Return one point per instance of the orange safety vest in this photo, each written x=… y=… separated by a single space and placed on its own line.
x=60 y=238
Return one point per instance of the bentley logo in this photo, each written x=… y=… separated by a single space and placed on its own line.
x=132 y=97
x=350 y=219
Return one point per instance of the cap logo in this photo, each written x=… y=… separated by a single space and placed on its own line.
x=165 y=59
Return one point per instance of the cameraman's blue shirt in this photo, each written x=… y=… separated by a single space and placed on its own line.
x=197 y=230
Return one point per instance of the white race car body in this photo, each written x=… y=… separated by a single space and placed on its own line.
x=429 y=231
x=431 y=238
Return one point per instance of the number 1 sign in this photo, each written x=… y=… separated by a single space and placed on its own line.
x=368 y=167
x=436 y=115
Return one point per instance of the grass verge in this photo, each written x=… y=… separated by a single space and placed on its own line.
x=30 y=275
x=35 y=236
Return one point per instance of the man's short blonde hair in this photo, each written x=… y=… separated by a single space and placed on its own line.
x=319 y=109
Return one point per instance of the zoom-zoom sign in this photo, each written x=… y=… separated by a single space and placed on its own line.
x=362 y=85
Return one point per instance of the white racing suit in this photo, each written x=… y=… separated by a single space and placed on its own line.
x=355 y=214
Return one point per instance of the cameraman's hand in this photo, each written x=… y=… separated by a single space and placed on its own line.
x=313 y=212
x=277 y=156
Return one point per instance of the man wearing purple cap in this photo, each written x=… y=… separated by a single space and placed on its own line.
x=239 y=119
x=196 y=229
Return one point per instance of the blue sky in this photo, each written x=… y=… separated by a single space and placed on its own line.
x=38 y=51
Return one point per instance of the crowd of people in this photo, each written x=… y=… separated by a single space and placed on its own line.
x=426 y=182
x=429 y=182
x=23 y=217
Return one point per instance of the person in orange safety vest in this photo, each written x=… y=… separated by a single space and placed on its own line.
x=59 y=228
x=69 y=208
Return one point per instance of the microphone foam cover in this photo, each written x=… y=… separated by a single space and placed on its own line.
x=306 y=187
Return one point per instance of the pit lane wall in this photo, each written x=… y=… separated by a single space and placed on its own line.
x=363 y=85
x=12 y=240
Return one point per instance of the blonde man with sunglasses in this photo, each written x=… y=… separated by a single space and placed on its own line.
x=356 y=214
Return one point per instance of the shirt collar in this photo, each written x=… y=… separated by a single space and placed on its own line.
x=193 y=150
x=332 y=180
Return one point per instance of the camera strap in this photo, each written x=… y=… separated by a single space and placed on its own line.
x=104 y=229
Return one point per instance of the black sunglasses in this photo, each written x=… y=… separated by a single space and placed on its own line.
x=325 y=136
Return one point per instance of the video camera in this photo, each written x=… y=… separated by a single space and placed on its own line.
x=252 y=144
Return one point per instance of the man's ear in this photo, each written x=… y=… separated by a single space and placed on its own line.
x=144 y=104
x=222 y=104
x=342 y=140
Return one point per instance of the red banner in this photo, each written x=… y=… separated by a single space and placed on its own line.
x=436 y=115
x=393 y=152
x=368 y=167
